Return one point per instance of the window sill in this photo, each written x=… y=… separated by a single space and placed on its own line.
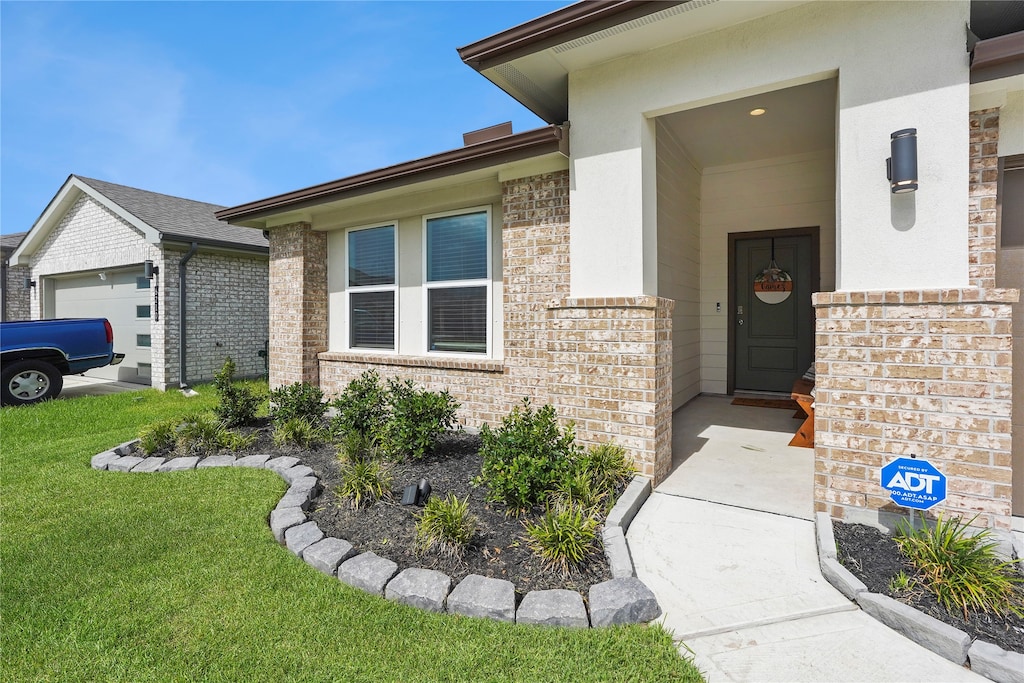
x=440 y=363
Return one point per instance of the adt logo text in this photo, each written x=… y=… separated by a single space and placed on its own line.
x=914 y=483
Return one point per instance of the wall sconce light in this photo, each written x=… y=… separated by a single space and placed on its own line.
x=29 y=283
x=901 y=167
x=149 y=270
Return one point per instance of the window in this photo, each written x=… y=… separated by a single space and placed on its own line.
x=1011 y=198
x=457 y=255
x=143 y=283
x=143 y=340
x=371 y=287
x=143 y=311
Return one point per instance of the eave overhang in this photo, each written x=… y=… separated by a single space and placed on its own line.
x=491 y=153
x=998 y=58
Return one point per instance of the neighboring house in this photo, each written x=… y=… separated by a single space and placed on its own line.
x=131 y=256
x=14 y=295
x=697 y=143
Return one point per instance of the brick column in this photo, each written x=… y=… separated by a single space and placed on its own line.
x=924 y=373
x=982 y=199
x=611 y=373
x=298 y=303
x=535 y=269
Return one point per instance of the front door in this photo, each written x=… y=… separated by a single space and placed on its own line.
x=772 y=278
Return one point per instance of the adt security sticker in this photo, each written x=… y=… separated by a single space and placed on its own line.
x=914 y=483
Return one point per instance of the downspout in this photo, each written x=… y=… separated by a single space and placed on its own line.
x=182 y=292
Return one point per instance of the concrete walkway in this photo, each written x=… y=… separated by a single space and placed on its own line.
x=742 y=590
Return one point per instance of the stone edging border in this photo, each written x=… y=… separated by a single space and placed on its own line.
x=984 y=658
x=624 y=599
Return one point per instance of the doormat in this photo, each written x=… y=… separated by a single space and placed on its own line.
x=783 y=403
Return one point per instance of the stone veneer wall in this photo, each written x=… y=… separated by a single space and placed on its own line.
x=298 y=303
x=611 y=372
x=984 y=177
x=923 y=373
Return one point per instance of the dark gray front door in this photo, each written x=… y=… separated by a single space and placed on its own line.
x=774 y=342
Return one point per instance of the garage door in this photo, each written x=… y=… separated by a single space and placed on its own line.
x=124 y=298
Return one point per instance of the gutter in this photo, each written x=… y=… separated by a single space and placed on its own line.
x=489 y=153
x=182 y=300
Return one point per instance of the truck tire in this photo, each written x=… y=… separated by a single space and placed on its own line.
x=29 y=381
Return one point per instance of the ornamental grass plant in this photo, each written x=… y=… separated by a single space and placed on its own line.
x=961 y=567
x=447 y=525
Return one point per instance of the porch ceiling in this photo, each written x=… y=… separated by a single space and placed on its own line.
x=797 y=120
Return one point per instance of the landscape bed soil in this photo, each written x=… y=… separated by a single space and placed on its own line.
x=875 y=558
x=499 y=549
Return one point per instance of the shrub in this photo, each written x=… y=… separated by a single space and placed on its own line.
x=355 y=446
x=299 y=400
x=158 y=436
x=236 y=441
x=608 y=466
x=297 y=431
x=362 y=407
x=962 y=568
x=526 y=457
x=199 y=434
x=417 y=417
x=363 y=481
x=564 y=537
x=238 y=402
x=447 y=525
x=579 y=487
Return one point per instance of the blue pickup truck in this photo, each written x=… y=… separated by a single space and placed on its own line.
x=36 y=354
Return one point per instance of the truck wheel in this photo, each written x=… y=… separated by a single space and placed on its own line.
x=29 y=381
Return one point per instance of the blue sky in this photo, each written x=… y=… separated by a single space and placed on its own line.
x=227 y=102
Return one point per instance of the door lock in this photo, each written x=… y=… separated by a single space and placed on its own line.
x=740 y=321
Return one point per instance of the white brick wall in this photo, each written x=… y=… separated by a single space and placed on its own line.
x=227 y=293
x=226 y=314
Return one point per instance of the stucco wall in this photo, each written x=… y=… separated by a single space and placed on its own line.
x=888 y=78
x=774 y=194
x=679 y=260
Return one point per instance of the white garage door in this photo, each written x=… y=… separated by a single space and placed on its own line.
x=125 y=299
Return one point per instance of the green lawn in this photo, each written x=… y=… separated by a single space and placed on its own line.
x=106 y=576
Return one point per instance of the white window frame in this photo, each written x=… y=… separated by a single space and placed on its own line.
x=393 y=288
x=450 y=284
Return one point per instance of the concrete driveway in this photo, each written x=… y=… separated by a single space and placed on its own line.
x=80 y=385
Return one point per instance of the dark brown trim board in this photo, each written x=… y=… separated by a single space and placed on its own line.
x=488 y=153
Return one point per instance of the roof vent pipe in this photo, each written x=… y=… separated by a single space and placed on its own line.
x=182 y=307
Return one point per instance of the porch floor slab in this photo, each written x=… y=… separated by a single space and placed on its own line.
x=740 y=455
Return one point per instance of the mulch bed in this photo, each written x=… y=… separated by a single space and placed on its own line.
x=388 y=528
x=874 y=558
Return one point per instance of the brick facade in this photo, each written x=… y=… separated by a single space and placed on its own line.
x=982 y=198
x=227 y=292
x=298 y=303
x=226 y=315
x=611 y=372
x=16 y=297
x=604 y=364
x=914 y=373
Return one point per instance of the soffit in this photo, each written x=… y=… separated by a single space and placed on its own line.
x=539 y=79
x=797 y=120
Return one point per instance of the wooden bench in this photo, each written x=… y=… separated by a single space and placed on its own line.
x=804 y=436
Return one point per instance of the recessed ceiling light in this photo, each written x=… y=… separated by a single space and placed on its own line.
x=757 y=112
